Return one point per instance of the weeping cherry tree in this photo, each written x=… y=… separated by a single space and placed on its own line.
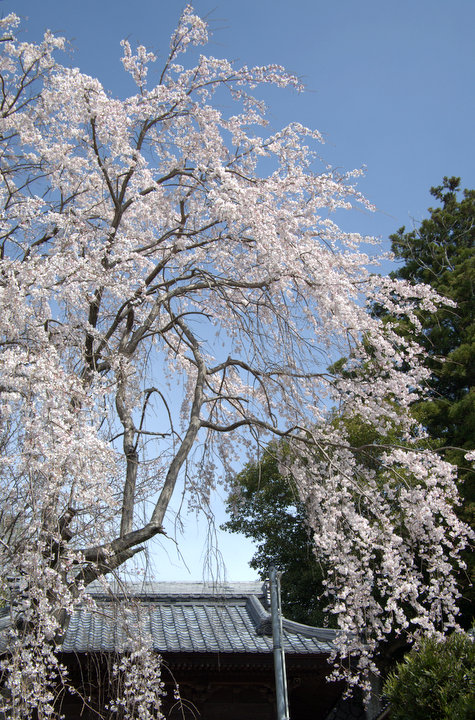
x=173 y=288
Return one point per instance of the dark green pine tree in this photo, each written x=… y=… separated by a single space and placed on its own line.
x=440 y=252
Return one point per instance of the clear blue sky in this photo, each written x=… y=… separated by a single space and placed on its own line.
x=390 y=84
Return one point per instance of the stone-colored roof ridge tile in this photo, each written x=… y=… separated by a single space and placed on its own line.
x=178 y=589
x=263 y=622
x=320 y=634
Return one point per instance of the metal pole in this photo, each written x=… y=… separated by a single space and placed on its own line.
x=279 y=656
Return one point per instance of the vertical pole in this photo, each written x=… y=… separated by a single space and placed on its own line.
x=279 y=656
x=374 y=707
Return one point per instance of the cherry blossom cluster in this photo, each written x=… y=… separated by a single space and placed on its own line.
x=138 y=676
x=385 y=530
x=34 y=678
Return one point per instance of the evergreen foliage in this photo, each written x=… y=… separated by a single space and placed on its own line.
x=264 y=505
x=440 y=252
x=435 y=681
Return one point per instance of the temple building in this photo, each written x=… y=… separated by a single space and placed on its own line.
x=215 y=641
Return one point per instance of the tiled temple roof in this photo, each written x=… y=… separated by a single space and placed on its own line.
x=188 y=618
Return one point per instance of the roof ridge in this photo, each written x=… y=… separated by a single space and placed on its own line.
x=178 y=589
x=322 y=634
x=263 y=621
